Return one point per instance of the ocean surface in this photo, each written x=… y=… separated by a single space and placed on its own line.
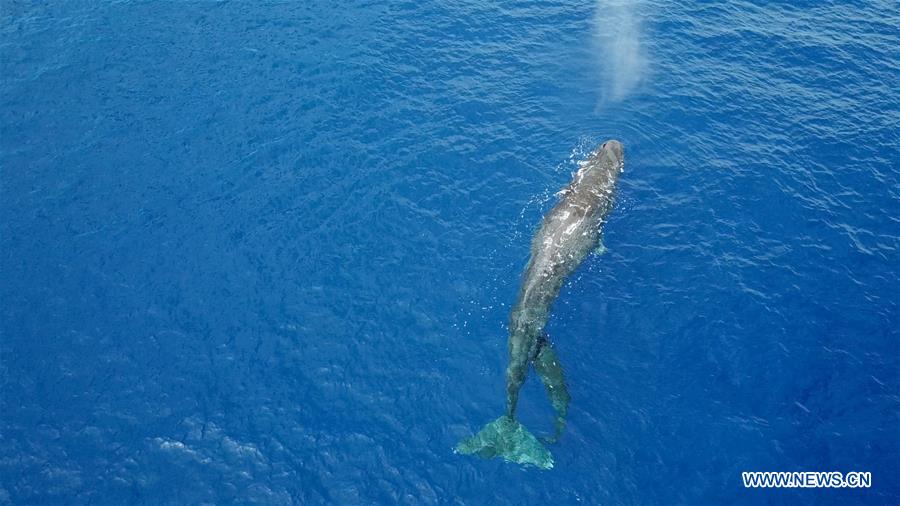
x=265 y=253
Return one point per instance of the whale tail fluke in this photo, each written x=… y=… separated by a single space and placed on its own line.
x=507 y=438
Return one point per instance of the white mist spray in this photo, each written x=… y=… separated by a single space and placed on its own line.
x=620 y=57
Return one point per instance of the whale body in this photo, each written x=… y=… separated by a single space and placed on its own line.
x=567 y=235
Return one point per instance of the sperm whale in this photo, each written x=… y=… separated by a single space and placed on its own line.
x=567 y=235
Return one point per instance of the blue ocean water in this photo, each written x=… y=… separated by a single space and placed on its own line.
x=264 y=253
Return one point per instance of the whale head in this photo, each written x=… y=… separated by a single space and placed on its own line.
x=601 y=170
x=607 y=163
x=613 y=150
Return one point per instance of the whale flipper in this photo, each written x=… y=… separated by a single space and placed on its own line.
x=549 y=369
x=600 y=249
x=507 y=438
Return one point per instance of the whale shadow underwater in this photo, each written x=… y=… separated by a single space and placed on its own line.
x=567 y=235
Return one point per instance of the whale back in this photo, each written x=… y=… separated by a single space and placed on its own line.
x=568 y=233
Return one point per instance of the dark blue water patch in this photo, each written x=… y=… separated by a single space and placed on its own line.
x=266 y=253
